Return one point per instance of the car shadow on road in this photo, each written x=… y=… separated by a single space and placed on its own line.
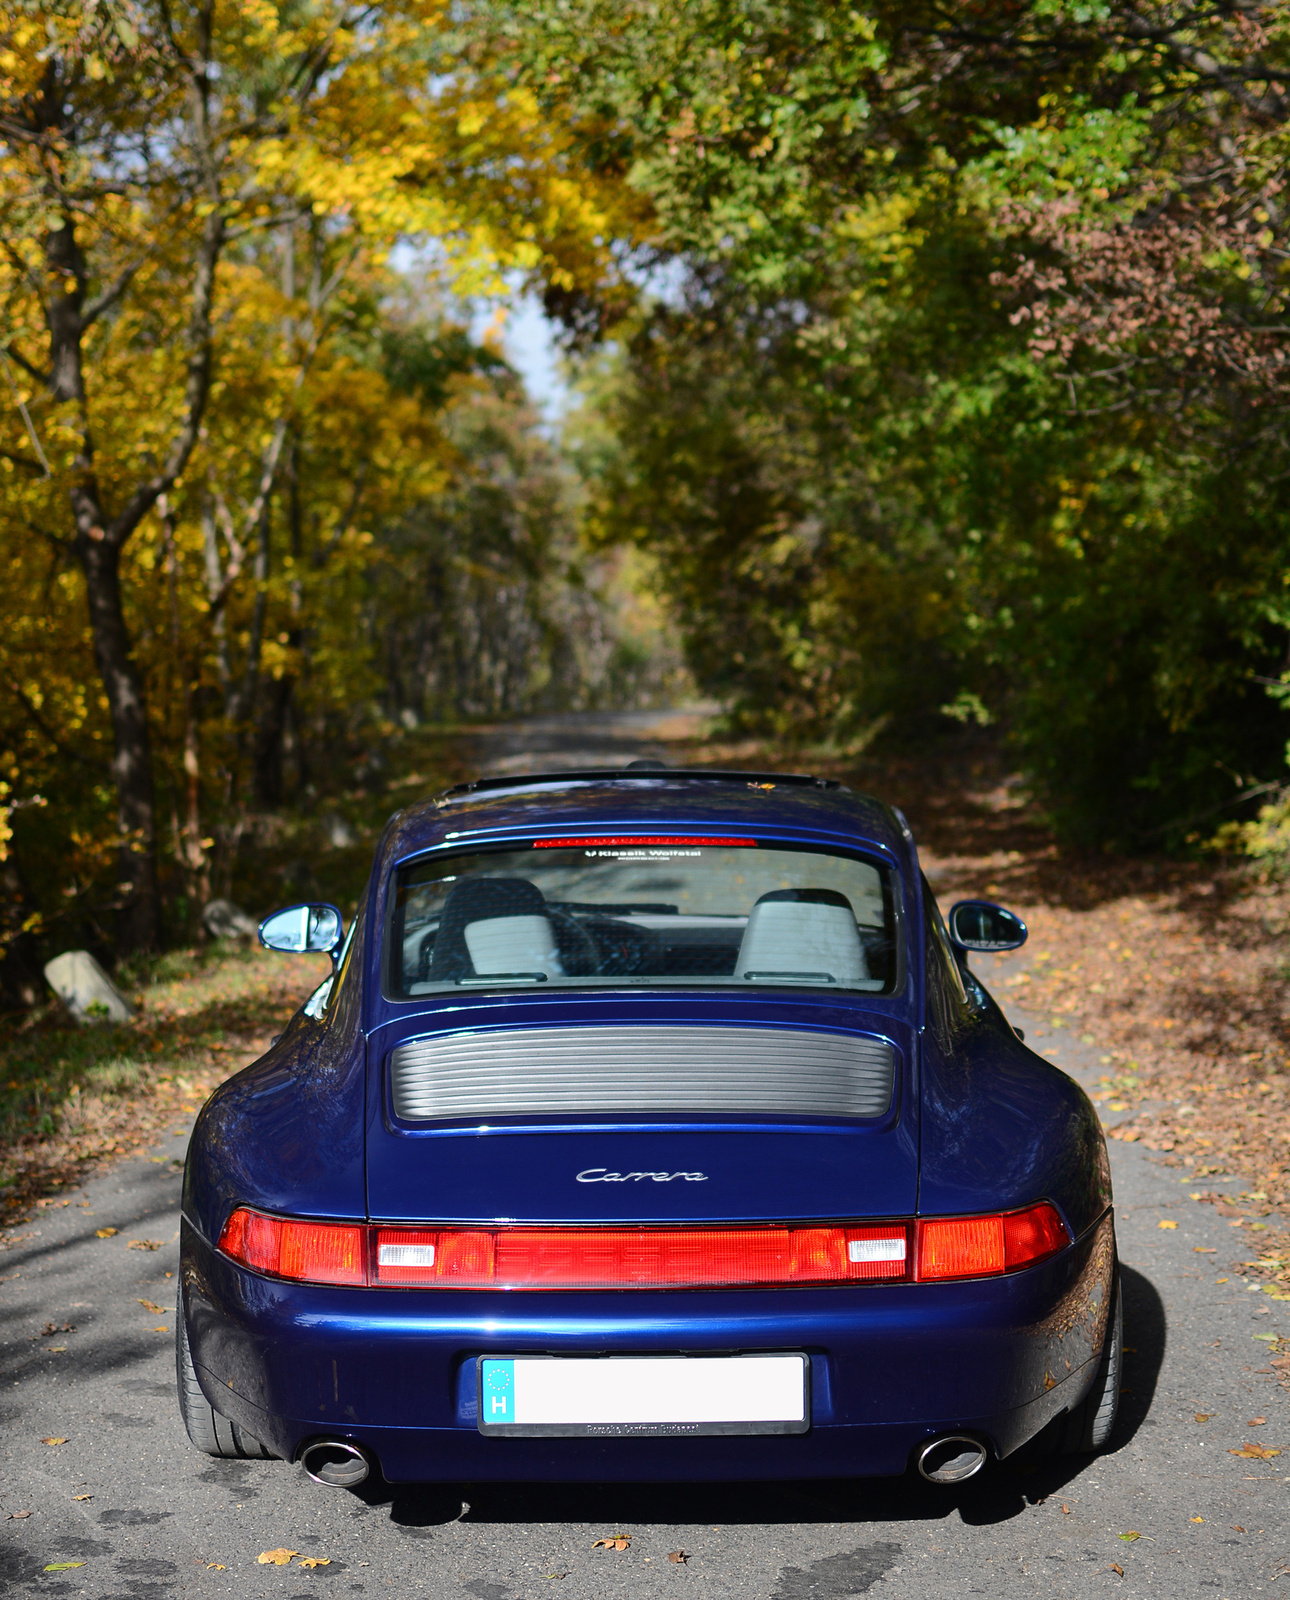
x=996 y=1495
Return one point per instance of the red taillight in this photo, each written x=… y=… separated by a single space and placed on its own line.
x=309 y=1252
x=979 y=1247
x=638 y=1258
x=935 y=1249
x=960 y=1247
x=1030 y=1236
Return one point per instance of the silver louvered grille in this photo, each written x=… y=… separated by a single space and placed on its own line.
x=633 y=1069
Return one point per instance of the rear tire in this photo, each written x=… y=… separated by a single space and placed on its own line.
x=208 y=1430
x=1090 y=1425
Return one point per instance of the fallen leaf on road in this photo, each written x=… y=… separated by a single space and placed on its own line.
x=1066 y=1510
x=82 y=1497
x=144 y=1244
x=63 y=1566
x=151 y=1305
x=1237 y=1528
x=1256 y=1422
x=1204 y=1250
x=275 y=1558
x=1131 y=1535
x=615 y=1541
x=18 y=1516
x=1195 y=1519
x=161 y=1330
x=679 y=1556
x=1271 y=1338
x=53 y=1439
x=1203 y=1416
x=1115 y=1567
x=57 y=1327
x=1166 y=1224
x=216 y=1566
x=315 y=1561
x=1220 y=1280
x=1255 y=1452
x=105 y=1233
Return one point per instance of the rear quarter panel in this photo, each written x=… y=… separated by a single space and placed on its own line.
x=287 y=1133
x=1002 y=1127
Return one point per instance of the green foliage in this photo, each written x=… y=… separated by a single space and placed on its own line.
x=969 y=391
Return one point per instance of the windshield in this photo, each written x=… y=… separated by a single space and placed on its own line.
x=643 y=913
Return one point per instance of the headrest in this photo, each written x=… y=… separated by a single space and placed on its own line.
x=803 y=932
x=476 y=900
x=810 y=897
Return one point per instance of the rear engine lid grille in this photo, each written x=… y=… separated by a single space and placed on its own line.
x=635 y=1069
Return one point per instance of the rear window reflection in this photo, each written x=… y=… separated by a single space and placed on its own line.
x=643 y=916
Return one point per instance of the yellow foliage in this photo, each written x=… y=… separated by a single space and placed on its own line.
x=284 y=154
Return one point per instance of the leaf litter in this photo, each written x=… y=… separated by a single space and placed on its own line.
x=282 y=1558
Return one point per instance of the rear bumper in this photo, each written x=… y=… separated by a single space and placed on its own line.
x=891 y=1366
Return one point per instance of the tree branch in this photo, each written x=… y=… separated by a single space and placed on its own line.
x=34 y=714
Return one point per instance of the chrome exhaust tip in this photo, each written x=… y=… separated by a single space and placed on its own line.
x=335 y=1463
x=952 y=1459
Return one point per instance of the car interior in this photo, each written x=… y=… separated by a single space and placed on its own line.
x=504 y=929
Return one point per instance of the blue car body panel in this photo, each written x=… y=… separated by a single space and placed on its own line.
x=755 y=1170
x=978 y=1123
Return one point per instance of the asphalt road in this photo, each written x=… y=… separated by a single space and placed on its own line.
x=126 y=1507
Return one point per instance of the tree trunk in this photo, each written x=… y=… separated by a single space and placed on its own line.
x=269 y=742
x=132 y=747
x=99 y=554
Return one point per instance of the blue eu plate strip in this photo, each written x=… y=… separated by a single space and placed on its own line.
x=497 y=1391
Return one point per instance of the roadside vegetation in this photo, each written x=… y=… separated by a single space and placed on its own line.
x=73 y=1097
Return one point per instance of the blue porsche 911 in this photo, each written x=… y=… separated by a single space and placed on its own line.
x=652 y=1127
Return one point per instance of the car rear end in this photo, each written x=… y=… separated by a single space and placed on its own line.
x=642 y=1122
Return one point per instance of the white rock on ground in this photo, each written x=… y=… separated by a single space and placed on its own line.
x=85 y=989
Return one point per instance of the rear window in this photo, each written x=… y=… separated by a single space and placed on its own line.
x=645 y=913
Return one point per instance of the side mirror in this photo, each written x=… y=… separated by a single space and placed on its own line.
x=303 y=928
x=982 y=925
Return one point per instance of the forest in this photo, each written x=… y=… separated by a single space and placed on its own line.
x=928 y=368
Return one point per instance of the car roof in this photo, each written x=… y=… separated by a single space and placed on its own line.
x=524 y=803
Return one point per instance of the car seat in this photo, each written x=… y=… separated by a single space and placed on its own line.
x=805 y=933
x=494 y=925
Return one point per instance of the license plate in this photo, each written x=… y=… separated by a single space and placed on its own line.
x=636 y=1396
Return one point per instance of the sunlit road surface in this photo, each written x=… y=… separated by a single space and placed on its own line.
x=126 y=1507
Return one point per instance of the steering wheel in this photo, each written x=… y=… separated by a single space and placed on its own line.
x=579 y=952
